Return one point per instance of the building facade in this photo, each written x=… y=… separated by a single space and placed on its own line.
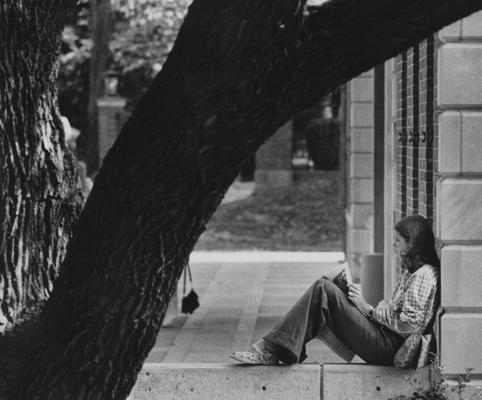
x=418 y=118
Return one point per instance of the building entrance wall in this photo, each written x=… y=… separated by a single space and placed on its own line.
x=433 y=167
x=459 y=193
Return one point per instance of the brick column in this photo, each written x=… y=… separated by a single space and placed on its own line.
x=459 y=193
x=427 y=128
x=359 y=213
x=111 y=120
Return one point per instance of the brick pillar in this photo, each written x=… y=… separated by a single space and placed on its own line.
x=274 y=160
x=413 y=91
x=459 y=193
x=427 y=129
x=359 y=213
x=111 y=120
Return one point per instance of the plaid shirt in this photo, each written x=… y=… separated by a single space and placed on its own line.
x=414 y=299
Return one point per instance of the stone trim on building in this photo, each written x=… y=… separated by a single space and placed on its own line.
x=360 y=156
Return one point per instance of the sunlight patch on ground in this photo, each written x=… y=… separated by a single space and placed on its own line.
x=266 y=256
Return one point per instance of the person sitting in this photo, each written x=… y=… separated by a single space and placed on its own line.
x=347 y=323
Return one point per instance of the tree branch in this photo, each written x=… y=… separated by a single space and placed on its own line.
x=343 y=38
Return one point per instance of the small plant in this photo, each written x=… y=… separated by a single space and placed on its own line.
x=441 y=390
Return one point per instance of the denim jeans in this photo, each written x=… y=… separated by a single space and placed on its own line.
x=324 y=312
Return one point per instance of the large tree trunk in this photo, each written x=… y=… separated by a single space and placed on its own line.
x=37 y=177
x=239 y=69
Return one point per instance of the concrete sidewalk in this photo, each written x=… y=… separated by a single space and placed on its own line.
x=242 y=295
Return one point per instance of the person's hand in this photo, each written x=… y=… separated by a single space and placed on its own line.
x=355 y=296
x=383 y=313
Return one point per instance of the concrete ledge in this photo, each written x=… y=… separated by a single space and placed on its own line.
x=300 y=382
x=371 y=382
x=227 y=382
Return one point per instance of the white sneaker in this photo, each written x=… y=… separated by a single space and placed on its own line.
x=254 y=357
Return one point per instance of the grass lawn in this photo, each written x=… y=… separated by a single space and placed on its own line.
x=308 y=216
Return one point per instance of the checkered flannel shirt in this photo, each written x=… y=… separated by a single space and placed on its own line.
x=415 y=297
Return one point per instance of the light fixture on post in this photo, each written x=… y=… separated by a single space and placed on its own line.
x=111 y=82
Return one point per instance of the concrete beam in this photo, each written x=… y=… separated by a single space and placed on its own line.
x=371 y=382
x=227 y=382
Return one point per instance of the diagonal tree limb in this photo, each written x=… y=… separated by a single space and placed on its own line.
x=342 y=39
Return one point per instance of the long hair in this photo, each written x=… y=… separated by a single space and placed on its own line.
x=416 y=230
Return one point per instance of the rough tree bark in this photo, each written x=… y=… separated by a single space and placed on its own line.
x=239 y=69
x=37 y=174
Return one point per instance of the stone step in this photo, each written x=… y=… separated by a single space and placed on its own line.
x=371 y=382
x=307 y=381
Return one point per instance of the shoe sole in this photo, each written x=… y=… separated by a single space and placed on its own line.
x=244 y=361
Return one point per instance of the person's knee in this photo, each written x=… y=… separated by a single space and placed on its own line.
x=326 y=286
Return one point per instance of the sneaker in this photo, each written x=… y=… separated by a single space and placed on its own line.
x=254 y=357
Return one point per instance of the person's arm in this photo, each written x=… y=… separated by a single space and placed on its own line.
x=355 y=296
x=384 y=315
x=400 y=327
x=411 y=317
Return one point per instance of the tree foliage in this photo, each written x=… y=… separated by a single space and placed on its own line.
x=143 y=34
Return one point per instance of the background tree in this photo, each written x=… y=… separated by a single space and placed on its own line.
x=238 y=70
x=74 y=71
x=38 y=205
x=143 y=36
x=129 y=37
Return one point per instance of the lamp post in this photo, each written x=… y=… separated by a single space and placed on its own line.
x=111 y=82
x=111 y=114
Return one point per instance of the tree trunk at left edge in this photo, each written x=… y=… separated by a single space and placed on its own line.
x=37 y=174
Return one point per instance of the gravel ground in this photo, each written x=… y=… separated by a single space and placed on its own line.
x=308 y=216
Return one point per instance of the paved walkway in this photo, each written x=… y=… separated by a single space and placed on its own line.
x=242 y=295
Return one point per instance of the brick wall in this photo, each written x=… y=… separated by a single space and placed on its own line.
x=438 y=164
x=414 y=127
x=426 y=166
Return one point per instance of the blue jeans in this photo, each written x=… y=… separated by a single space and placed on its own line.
x=324 y=312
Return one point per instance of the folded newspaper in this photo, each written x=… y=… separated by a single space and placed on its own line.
x=340 y=276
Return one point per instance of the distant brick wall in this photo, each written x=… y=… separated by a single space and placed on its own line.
x=112 y=117
x=274 y=160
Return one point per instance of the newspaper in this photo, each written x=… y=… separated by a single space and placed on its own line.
x=340 y=276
